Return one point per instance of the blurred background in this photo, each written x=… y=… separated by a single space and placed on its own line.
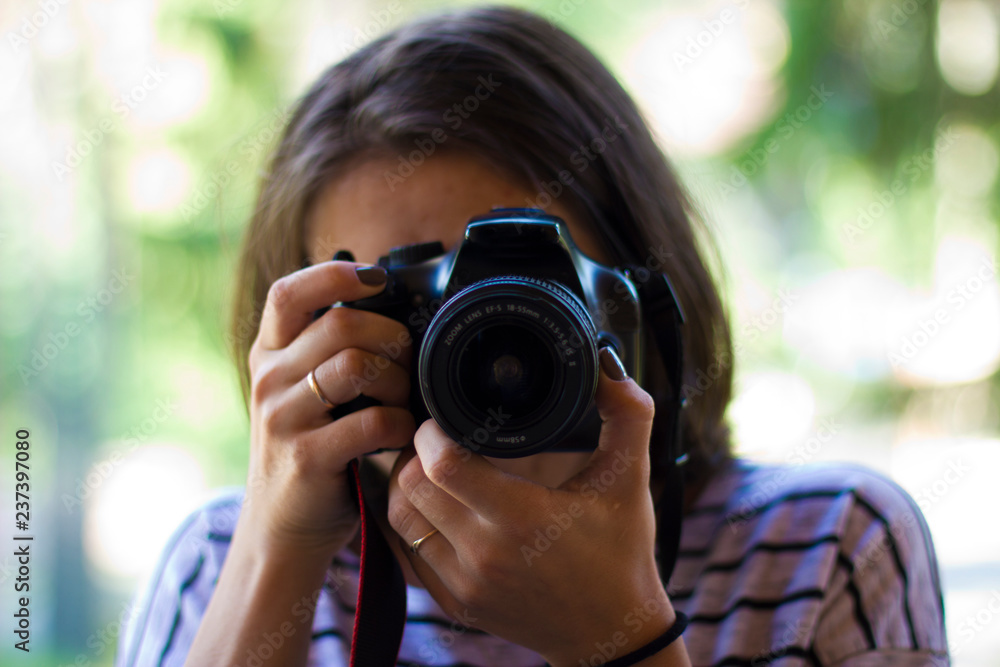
x=845 y=153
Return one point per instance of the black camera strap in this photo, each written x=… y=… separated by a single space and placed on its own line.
x=664 y=318
x=380 y=614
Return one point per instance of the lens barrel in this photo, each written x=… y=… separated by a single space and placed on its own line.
x=508 y=366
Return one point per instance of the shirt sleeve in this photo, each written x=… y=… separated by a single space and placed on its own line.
x=169 y=606
x=884 y=603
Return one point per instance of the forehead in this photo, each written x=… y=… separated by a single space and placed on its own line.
x=384 y=201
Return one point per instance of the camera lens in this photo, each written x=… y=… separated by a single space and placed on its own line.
x=508 y=366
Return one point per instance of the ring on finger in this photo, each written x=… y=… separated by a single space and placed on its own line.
x=416 y=543
x=319 y=392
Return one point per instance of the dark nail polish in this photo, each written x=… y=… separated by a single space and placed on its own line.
x=611 y=364
x=371 y=275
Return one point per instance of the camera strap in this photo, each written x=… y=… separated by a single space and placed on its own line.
x=380 y=614
x=661 y=311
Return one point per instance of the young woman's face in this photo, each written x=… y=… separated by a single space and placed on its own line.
x=372 y=209
x=363 y=213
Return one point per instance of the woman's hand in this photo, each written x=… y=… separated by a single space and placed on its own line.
x=567 y=572
x=297 y=512
x=297 y=490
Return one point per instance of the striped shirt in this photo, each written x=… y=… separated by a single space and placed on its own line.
x=784 y=565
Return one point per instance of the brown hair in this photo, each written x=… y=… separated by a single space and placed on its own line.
x=543 y=112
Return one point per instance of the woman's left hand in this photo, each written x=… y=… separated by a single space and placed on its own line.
x=567 y=572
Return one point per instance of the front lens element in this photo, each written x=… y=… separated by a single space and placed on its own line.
x=509 y=365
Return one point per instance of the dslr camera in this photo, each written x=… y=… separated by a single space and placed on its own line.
x=506 y=329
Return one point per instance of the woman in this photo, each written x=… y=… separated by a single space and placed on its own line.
x=402 y=143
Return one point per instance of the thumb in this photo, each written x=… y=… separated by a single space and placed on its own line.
x=626 y=413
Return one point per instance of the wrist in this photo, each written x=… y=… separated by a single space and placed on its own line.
x=674 y=655
x=259 y=532
x=665 y=650
x=643 y=624
x=265 y=567
x=264 y=587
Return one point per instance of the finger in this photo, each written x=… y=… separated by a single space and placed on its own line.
x=342 y=327
x=427 y=563
x=411 y=524
x=621 y=460
x=346 y=376
x=470 y=478
x=292 y=299
x=332 y=446
x=435 y=555
x=428 y=501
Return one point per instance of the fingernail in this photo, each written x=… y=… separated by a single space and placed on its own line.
x=371 y=275
x=611 y=364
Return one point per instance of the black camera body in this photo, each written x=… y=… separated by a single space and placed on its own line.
x=506 y=329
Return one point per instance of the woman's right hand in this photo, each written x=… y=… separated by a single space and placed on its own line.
x=297 y=512
x=297 y=497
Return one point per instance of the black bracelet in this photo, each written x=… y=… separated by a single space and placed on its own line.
x=653 y=647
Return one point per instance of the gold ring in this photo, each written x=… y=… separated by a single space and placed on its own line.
x=319 y=392
x=416 y=543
